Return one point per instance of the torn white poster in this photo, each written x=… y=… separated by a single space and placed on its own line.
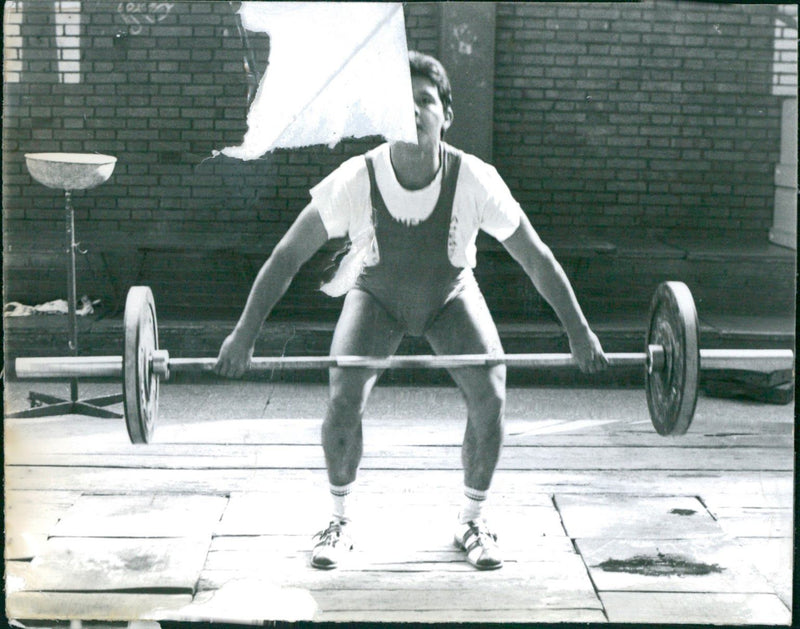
x=336 y=70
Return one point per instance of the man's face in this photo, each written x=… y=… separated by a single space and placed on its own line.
x=431 y=116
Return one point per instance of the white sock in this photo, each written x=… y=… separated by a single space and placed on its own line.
x=339 y=493
x=472 y=505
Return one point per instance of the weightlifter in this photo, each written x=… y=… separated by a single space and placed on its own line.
x=412 y=213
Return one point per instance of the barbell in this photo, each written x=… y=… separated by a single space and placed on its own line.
x=672 y=360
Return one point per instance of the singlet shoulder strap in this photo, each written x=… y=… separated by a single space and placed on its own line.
x=373 y=183
x=451 y=164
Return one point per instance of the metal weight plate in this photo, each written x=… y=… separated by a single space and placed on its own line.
x=140 y=382
x=672 y=392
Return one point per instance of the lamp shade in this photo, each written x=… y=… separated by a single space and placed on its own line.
x=70 y=171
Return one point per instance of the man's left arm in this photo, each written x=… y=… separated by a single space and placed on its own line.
x=551 y=281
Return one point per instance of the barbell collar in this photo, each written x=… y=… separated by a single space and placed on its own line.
x=159 y=363
x=656 y=359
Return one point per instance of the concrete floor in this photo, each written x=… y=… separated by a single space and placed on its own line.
x=584 y=465
x=217 y=399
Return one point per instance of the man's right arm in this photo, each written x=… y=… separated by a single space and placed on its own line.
x=303 y=239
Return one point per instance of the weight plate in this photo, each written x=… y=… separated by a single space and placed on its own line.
x=672 y=391
x=140 y=383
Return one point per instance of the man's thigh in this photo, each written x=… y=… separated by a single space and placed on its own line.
x=465 y=326
x=364 y=329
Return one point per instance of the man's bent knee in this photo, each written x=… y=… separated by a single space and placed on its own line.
x=348 y=397
x=486 y=397
x=488 y=409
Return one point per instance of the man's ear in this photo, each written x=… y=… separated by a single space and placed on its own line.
x=448 y=118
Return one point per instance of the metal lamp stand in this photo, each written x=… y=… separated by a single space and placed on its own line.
x=43 y=404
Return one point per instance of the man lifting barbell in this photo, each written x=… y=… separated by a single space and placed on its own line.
x=672 y=362
x=672 y=358
x=412 y=212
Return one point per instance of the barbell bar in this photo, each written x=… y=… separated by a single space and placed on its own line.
x=60 y=367
x=672 y=361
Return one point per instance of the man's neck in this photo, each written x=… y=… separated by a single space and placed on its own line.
x=414 y=166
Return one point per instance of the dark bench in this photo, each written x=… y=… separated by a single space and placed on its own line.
x=613 y=273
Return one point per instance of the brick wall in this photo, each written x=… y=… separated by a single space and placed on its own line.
x=784 y=68
x=161 y=97
x=638 y=116
x=626 y=116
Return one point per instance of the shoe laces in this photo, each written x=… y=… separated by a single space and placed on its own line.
x=480 y=529
x=330 y=535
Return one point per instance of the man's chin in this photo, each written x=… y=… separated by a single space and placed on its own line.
x=407 y=145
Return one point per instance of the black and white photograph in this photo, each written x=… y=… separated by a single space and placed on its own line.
x=398 y=312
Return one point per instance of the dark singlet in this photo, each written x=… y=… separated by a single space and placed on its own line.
x=414 y=278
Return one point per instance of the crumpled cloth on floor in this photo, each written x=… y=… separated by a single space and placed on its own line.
x=57 y=306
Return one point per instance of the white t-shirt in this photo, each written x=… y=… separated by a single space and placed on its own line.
x=481 y=201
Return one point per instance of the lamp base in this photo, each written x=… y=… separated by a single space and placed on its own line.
x=44 y=405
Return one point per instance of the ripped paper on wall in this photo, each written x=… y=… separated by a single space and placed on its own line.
x=336 y=70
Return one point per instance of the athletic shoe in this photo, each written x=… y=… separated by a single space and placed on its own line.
x=480 y=544
x=334 y=543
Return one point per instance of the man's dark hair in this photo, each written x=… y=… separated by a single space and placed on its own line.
x=432 y=69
